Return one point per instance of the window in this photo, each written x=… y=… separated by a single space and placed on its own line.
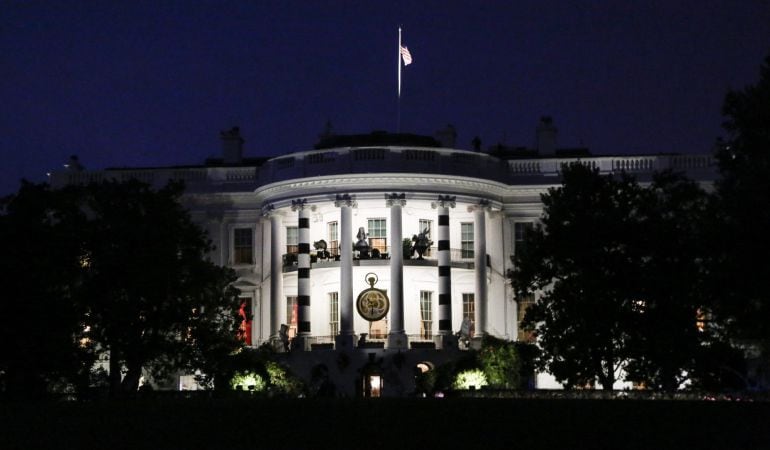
x=292 y=240
x=334 y=313
x=291 y=315
x=426 y=224
x=243 y=249
x=334 y=242
x=426 y=314
x=524 y=303
x=466 y=240
x=469 y=311
x=244 y=331
x=520 y=231
x=378 y=235
x=379 y=329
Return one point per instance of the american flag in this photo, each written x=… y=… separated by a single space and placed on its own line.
x=406 y=55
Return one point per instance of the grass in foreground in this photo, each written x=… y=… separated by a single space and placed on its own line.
x=384 y=424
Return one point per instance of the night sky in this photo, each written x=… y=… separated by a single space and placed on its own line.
x=151 y=83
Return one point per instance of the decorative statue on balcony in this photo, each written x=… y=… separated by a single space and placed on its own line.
x=362 y=245
x=421 y=242
x=320 y=249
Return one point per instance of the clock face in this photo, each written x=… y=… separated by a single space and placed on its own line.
x=372 y=304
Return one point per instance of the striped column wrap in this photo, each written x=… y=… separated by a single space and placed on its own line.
x=444 y=273
x=303 y=273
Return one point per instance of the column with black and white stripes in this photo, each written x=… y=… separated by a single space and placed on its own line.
x=445 y=336
x=303 y=274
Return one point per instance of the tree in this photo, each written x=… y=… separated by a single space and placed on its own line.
x=499 y=360
x=667 y=339
x=153 y=299
x=744 y=190
x=41 y=327
x=583 y=258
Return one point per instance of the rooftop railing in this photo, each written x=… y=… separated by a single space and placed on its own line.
x=439 y=161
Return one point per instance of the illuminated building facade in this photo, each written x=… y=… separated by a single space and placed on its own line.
x=312 y=235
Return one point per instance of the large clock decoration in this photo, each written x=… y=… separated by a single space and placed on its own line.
x=372 y=303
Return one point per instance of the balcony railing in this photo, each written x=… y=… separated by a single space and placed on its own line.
x=456 y=255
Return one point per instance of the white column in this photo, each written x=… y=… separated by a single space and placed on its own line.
x=397 y=335
x=346 y=203
x=277 y=301
x=480 y=265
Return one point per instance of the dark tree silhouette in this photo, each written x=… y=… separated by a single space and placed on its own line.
x=621 y=270
x=581 y=260
x=667 y=338
x=153 y=299
x=41 y=323
x=744 y=193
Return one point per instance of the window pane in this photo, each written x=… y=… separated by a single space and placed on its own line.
x=377 y=228
x=242 y=246
x=466 y=240
x=334 y=244
x=426 y=224
x=520 y=230
x=292 y=240
x=292 y=235
x=334 y=313
x=523 y=304
x=291 y=315
x=469 y=310
x=426 y=314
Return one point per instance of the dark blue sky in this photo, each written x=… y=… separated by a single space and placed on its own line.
x=149 y=83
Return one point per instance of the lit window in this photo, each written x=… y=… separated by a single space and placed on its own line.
x=292 y=240
x=426 y=224
x=426 y=314
x=466 y=240
x=378 y=235
x=524 y=303
x=334 y=243
x=379 y=328
x=243 y=248
x=469 y=311
x=291 y=315
x=334 y=313
x=244 y=331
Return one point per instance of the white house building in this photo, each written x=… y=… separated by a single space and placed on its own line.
x=308 y=233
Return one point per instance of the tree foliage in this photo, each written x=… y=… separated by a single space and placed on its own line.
x=620 y=270
x=666 y=338
x=40 y=316
x=743 y=191
x=112 y=267
x=153 y=299
x=582 y=258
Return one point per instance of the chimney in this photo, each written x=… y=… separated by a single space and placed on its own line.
x=447 y=136
x=232 y=146
x=74 y=164
x=546 y=137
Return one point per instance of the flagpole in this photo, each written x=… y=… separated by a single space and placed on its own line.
x=398 y=63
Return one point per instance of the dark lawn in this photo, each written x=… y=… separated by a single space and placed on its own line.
x=449 y=423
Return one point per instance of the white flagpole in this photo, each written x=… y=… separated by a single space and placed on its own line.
x=398 y=61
